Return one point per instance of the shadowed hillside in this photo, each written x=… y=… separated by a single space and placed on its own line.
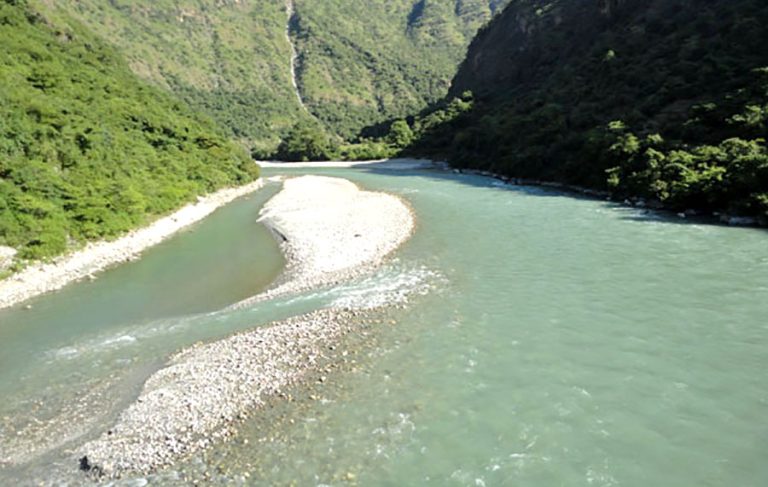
x=661 y=99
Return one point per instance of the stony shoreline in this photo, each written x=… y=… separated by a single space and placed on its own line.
x=95 y=257
x=330 y=230
x=636 y=202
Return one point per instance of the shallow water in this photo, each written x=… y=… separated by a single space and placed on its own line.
x=563 y=341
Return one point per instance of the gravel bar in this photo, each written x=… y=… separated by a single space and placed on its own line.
x=331 y=231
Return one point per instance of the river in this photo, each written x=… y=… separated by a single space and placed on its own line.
x=554 y=340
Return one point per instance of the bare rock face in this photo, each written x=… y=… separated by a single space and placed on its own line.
x=7 y=255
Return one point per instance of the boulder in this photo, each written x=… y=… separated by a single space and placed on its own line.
x=6 y=257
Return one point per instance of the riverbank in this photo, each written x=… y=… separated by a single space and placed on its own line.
x=635 y=202
x=330 y=230
x=42 y=278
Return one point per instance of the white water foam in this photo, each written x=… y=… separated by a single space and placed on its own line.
x=122 y=338
x=391 y=286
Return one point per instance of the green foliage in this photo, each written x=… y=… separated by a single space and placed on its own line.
x=307 y=142
x=86 y=150
x=368 y=150
x=400 y=134
x=645 y=99
x=363 y=63
x=360 y=63
x=732 y=175
x=228 y=59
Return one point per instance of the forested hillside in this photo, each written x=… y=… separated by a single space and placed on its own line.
x=364 y=62
x=660 y=99
x=230 y=58
x=360 y=62
x=86 y=149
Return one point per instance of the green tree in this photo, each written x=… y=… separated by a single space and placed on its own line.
x=400 y=134
x=87 y=150
x=307 y=142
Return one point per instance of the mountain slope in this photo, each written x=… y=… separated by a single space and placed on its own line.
x=230 y=58
x=86 y=149
x=359 y=62
x=365 y=62
x=660 y=99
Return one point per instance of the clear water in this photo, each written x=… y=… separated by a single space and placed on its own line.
x=564 y=341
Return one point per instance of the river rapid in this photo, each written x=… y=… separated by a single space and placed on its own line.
x=547 y=340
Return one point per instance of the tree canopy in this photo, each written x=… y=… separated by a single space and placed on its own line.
x=645 y=99
x=87 y=150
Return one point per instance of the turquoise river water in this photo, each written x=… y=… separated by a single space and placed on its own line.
x=553 y=341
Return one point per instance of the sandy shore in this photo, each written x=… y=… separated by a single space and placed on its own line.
x=330 y=230
x=96 y=257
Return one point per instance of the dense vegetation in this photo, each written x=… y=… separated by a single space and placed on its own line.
x=360 y=62
x=365 y=62
x=307 y=141
x=228 y=58
x=86 y=149
x=659 y=99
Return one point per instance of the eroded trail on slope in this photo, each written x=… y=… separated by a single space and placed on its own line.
x=290 y=9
